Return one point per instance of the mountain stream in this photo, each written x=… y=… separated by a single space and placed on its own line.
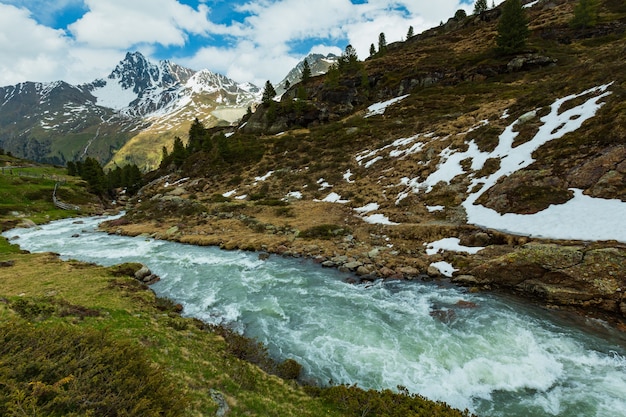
x=491 y=354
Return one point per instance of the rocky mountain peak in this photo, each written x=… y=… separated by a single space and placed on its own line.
x=138 y=74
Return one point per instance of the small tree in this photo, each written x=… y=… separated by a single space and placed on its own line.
x=349 y=60
x=332 y=76
x=306 y=72
x=197 y=134
x=512 y=28
x=460 y=15
x=585 y=14
x=372 y=50
x=287 y=86
x=71 y=168
x=382 y=43
x=410 y=33
x=480 y=6
x=164 y=157
x=268 y=93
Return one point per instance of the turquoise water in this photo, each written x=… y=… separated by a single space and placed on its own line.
x=497 y=358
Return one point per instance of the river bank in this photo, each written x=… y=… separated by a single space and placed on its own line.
x=586 y=277
x=479 y=351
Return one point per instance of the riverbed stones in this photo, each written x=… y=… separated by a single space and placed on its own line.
x=146 y=276
x=364 y=270
x=27 y=224
x=142 y=273
x=432 y=271
x=352 y=266
x=409 y=272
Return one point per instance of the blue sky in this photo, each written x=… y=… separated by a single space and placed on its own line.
x=247 y=40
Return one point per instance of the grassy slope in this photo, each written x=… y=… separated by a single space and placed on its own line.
x=195 y=359
x=26 y=192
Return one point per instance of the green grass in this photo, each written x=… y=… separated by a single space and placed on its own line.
x=26 y=193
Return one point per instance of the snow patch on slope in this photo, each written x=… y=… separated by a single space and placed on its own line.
x=114 y=96
x=581 y=218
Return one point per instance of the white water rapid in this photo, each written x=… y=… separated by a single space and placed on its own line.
x=491 y=354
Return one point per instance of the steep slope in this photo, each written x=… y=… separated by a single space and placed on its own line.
x=57 y=122
x=137 y=87
x=440 y=139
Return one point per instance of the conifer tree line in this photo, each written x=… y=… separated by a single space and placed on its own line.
x=213 y=148
x=129 y=177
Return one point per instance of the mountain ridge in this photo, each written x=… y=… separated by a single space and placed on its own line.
x=56 y=122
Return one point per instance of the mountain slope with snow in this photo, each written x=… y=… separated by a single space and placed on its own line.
x=58 y=122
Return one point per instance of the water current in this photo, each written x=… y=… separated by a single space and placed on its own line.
x=490 y=354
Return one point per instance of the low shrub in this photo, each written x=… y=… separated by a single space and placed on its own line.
x=61 y=370
x=355 y=401
x=324 y=231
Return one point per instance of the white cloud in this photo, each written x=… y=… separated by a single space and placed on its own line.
x=262 y=50
x=124 y=24
x=260 y=46
x=29 y=51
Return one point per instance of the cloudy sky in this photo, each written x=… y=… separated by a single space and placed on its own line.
x=247 y=40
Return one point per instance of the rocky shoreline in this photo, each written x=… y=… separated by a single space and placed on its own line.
x=588 y=278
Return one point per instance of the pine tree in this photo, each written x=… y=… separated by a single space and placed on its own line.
x=460 y=15
x=71 y=168
x=306 y=72
x=410 y=33
x=268 y=93
x=372 y=50
x=179 y=153
x=349 y=60
x=131 y=178
x=332 y=76
x=382 y=43
x=93 y=173
x=287 y=86
x=197 y=133
x=512 y=28
x=165 y=157
x=585 y=14
x=480 y=6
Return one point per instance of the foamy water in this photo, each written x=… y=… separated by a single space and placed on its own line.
x=500 y=358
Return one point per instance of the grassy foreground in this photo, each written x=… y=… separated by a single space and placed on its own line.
x=78 y=339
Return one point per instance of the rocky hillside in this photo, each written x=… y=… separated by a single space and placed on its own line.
x=440 y=158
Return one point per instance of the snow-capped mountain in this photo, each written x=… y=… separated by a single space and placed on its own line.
x=56 y=122
x=137 y=87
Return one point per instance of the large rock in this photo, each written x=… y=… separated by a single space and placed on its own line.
x=527 y=62
x=563 y=275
